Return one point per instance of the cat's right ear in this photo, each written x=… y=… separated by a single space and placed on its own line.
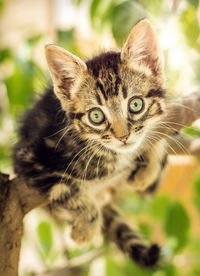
x=66 y=70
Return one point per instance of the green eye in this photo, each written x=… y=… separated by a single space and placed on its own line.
x=136 y=105
x=96 y=116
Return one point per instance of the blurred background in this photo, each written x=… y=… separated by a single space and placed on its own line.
x=86 y=27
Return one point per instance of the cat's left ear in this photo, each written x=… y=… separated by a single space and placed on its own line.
x=141 y=48
x=66 y=70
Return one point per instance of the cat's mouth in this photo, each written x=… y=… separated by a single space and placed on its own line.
x=121 y=147
x=130 y=145
x=126 y=145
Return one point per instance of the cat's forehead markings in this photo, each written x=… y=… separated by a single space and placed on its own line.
x=124 y=92
x=104 y=62
x=102 y=90
x=105 y=71
x=98 y=98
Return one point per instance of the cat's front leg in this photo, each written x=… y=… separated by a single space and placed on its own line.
x=146 y=177
x=149 y=169
x=79 y=209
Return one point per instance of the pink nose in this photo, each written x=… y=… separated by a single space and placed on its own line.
x=123 y=138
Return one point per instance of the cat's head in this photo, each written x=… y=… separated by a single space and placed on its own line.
x=116 y=97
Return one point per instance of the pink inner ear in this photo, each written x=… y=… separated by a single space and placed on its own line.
x=142 y=47
x=152 y=59
x=65 y=68
x=66 y=85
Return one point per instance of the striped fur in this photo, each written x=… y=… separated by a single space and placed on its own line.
x=129 y=240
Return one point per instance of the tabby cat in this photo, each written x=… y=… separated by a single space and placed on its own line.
x=94 y=134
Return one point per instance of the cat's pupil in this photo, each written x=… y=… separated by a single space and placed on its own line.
x=96 y=116
x=136 y=105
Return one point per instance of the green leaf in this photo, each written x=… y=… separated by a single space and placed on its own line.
x=159 y=207
x=196 y=271
x=34 y=40
x=130 y=269
x=166 y=271
x=5 y=54
x=95 y=6
x=190 y=26
x=20 y=86
x=45 y=237
x=155 y=7
x=196 y=199
x=192 y=131
x=66 y=39
x=1 y=6
x=131 y=203
x=125 y=16
x=177 y=224
x=170 y=271
x=101 y=13
x=5 y=157
x=112 y=268
x=145 y=229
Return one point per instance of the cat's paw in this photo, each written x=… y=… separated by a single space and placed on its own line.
x=85 y=227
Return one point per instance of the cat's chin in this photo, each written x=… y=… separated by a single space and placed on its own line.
x=125 y=148
x=129 y=147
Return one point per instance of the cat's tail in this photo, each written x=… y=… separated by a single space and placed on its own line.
x=129 y=240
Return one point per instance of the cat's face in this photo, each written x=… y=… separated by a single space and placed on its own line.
x=114 y=98
x=116 y=104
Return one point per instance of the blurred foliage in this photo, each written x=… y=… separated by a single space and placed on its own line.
x=197 y=193
x=23 y=78
x=192 y=131
x=45 y=237
x=177 y=229
x=189 y=16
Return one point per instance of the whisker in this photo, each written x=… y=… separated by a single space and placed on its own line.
x=165 y=125
x=56 y=132
x=87 y=149
x=149 y=138
x=85 y=171
x=182 y=105
x=64 y=173
x=167 y=136
x=97 y=173
x=180 y=145
x=65 y=132
x=174 y=123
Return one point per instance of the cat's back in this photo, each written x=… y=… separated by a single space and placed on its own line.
x=46 y=115
x=43 y=120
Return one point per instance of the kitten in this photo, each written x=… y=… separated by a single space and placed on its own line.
x=95 y=134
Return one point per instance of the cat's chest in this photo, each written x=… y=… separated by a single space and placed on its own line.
x=117 y=174
x=142 y=170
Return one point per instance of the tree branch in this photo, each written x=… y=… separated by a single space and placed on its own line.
x=17 y=199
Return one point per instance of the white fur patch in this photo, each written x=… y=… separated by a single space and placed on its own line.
x=58 y=190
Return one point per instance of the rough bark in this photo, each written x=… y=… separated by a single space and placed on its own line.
x=17 y=199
